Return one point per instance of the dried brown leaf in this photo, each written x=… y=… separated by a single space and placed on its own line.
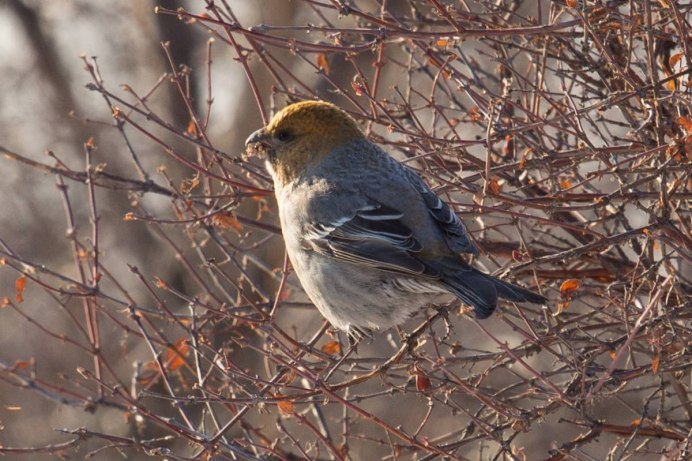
x=331 y=348
x=19 y=286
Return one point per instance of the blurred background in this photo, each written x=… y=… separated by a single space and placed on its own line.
x=147 y=306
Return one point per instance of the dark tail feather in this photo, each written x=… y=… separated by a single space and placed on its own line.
x=482 y=291
x=516 y=293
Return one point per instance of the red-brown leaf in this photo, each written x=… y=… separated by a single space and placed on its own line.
x=19 y=286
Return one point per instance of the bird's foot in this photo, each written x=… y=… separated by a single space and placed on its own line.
x=357 y=334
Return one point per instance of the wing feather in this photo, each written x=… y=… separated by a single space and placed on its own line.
x=374 y=236
x=455 y=232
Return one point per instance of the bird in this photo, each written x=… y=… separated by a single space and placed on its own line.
x=369 y=240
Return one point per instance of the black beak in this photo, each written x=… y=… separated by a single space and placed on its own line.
x=259 y=143
x=258 y=137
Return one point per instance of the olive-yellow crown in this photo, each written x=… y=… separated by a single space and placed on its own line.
x=303 y=133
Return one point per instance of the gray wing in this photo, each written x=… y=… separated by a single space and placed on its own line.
x=357 y=228
x=374 y=236
x=455 y=232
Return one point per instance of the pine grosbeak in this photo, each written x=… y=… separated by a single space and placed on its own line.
x=370 y=242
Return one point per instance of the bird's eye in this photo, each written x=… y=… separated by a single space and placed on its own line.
x=284 y=136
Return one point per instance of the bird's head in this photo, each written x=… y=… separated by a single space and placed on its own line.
x=302 y=134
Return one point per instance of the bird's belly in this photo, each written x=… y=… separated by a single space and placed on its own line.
x=354 y=295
